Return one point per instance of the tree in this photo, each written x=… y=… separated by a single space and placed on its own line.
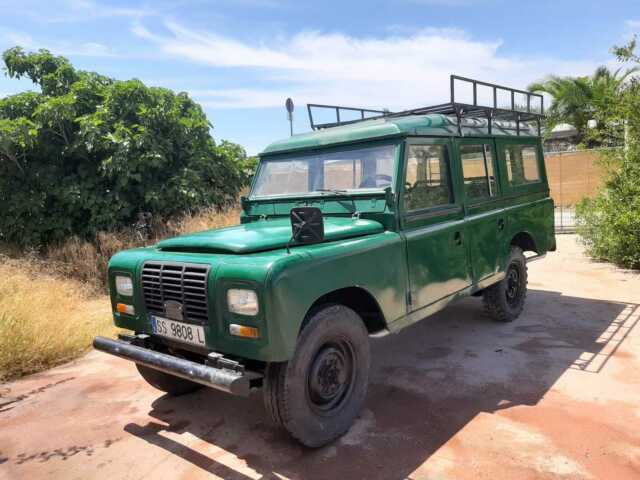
x=610 y=222
x=576 y=100
x=89 y=153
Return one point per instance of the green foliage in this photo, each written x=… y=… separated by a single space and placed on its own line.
x=89 y=153
x=610 y=223
x=576 y=100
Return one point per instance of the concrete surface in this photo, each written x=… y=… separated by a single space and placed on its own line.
x=554 y=395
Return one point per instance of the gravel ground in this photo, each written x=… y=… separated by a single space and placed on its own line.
x=556 y=394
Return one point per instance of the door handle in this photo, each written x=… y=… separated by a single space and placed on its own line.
x=501 y=224
x=457 y=238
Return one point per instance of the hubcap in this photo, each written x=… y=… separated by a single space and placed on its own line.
x=331 y=376
x=513 y=285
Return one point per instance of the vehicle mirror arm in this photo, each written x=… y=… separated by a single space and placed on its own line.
x=389 y=197
x=244 y=203
x=294 y=238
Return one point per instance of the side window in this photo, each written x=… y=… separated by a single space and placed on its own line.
x=427 y=179
x=522 y=164
x=477 y=167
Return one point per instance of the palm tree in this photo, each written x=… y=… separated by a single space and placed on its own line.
x=576 y=100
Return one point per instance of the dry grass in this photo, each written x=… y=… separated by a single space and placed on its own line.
x=207 y=219
x=53 y=304
x=45 y=320
x=87 y=261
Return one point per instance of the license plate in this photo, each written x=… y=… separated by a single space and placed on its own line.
x=183 y=332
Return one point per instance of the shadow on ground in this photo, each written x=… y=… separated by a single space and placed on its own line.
x=427 y=383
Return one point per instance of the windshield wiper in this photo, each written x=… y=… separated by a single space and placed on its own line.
x=335 y=191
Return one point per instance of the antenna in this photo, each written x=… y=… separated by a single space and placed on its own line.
x=289 y=106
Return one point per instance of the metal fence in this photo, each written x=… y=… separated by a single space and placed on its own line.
x=572 y=176
x=565 y=219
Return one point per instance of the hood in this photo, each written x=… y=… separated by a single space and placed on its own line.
x=264 y=235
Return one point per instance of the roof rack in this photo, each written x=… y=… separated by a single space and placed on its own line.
x=483 y=101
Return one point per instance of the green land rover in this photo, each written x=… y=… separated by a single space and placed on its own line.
x=359 y=228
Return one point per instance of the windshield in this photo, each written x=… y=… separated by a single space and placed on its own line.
x=346 y=171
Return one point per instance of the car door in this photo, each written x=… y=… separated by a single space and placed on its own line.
x=432 y=221
x=485 y=218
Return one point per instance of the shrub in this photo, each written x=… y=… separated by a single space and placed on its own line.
x=610 y=223
x=89 y=153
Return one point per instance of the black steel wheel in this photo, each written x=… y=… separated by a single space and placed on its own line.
x=331 y=376
x=318 y=394
x=504 y=300
x=512 y=287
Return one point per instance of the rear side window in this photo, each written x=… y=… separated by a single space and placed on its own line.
x=522 y=164
x=477 y=167
x=427 y=178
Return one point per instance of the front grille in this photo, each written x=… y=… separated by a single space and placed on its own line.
x=181 y=282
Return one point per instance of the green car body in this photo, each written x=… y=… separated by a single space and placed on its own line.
x=391 y=263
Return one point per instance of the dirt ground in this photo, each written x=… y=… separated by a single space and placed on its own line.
x=556 y=394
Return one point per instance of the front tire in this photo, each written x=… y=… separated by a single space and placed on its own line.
x=317 y=395
x=504 y=300
x=174 y=386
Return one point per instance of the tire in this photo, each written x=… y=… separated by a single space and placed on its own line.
x=174 y=386
x=317 y=395
x=504 y=300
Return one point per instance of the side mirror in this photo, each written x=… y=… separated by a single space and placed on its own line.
x=307 y=225
x=244 y=203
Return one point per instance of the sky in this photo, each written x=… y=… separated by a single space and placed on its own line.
x=240 y=59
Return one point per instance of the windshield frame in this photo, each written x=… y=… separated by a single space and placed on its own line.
x=284 y=156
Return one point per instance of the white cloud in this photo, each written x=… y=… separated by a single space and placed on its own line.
x=95 y=9
x=88 y=49
x=394 y=71
x=240 y=97
x=21 y=39
x=74 y=11
x=633 y=24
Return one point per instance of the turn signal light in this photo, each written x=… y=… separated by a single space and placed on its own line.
x=243 y=331
x=124 y=308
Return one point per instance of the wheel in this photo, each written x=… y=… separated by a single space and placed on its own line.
x=170 y=384
x=317 y=394
x=504 y=300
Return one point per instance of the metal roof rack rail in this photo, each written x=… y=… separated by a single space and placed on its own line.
x=337 y=109
x=486 y=101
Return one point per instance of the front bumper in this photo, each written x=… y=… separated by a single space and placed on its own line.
x=234 y=380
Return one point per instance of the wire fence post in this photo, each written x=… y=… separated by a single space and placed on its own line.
x=561 y=194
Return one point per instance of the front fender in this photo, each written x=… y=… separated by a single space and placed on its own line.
x=375 y=263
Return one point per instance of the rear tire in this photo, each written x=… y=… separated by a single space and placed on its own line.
x=504 y=300
x=174 y=386
x=317 y=395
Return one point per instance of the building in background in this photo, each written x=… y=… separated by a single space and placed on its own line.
x=563 y=138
